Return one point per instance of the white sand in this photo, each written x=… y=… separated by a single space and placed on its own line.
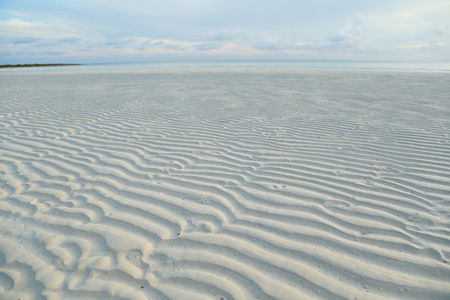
x=224 y=184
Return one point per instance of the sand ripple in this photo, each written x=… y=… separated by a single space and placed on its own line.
x=224 y=184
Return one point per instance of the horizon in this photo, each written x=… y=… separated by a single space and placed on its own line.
x=400 y=66
x=112 y=31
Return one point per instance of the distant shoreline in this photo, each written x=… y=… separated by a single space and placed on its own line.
x=36 y=65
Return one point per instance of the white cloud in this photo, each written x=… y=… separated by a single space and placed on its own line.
x=349 y=36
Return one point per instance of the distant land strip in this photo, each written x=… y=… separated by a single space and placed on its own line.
x=36 y=65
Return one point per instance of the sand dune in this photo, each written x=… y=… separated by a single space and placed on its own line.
x=224 y=183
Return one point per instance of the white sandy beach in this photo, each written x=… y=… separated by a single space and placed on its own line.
x=224 y=183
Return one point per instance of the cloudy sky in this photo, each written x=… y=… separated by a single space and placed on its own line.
x=87 y=31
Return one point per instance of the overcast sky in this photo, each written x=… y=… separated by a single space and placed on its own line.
x=40 y=31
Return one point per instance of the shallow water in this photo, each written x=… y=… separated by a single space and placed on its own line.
x=292 y=64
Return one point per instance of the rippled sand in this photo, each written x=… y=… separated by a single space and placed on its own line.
x=222 y=183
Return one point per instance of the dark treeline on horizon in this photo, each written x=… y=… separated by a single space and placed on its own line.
x=36 y=65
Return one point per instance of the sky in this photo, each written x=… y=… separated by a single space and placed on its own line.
x=98 y=31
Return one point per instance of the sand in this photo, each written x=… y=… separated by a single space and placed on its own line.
x=224 y=183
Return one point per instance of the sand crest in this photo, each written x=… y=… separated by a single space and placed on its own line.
x=256 y=183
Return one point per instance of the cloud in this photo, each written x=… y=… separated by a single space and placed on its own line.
x=25 y=40
x=223 y=35
x=46 y=44
x=115 y=41
x=282 y=44
x=52 y=53
x=70 y=40
x=208 y=46
x=140 y=48
x=84 y=50
x=175 y=47
x=349 y=36
x=274 y=44
x=339 y=43
x=437 y=32
x=5 y=54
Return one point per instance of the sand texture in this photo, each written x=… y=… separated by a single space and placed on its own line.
x=227 y=183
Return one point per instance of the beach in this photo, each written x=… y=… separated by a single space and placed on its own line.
x=224 y=183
